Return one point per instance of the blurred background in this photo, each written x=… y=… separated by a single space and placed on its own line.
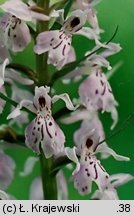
x=110 y=14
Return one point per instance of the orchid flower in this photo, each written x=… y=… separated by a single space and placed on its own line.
x=58 y=42
x=43 y=129
x=15 y=34
x=91 y=121
x=96 y=94
x=88 y=167
x=94 y=62
x=110 y=193
x=22 y=10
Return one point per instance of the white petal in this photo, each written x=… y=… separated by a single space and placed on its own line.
x=17 y=111
x=112 y=48
x=71 y=154
x=36 y=189
x=120 y=179
x=2 y=71
x=105 y=149
x=65 y=97
x=78 y=115
x=114 y=115
x=91 y=35
x=109 y=194
x=17 y=77
x=61 y=186
x=19 y=36
x=22 y=11
x=3 y=195
x=28 y=166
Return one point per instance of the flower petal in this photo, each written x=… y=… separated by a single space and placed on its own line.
x=57 y=43
x=65 y=97
x=61 y=186
x=96 y=94
x=17 y=111
x=82 y=182
x=28 y=166
x=77 y=115
x=22 y=11
x=3 y=195
x=53 y=142
x=42 y=101
x=105 y=149
x=91 y=35
x=19 y=78
x=47 y=132
x=7 y=168
x=120 y=179
x=109 y=194
x=2 y=71
x=71 y=154
x=36 y=189
x=34 y=135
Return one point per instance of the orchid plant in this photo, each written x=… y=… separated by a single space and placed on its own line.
x=50 y=27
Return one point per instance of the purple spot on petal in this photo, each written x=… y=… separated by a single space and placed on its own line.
x=50 y=123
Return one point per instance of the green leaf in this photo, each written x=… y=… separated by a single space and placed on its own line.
x=67 y=8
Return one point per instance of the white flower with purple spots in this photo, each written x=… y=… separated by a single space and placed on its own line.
x=95 y=62
x=15 y=34
x=58 y=42
x=43 y=132
x=96 y=95
x=88 y=168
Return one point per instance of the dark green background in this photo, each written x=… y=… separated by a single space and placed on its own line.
x=111 y=13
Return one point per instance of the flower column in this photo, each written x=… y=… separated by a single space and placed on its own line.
x=48 y=181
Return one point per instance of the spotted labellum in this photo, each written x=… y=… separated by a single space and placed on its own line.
x=88 y=168
x=43 y=132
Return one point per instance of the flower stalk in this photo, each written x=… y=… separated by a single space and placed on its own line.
x=48 y=181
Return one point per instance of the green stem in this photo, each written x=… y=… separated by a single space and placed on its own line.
x=41 y=60
x=48 y=180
